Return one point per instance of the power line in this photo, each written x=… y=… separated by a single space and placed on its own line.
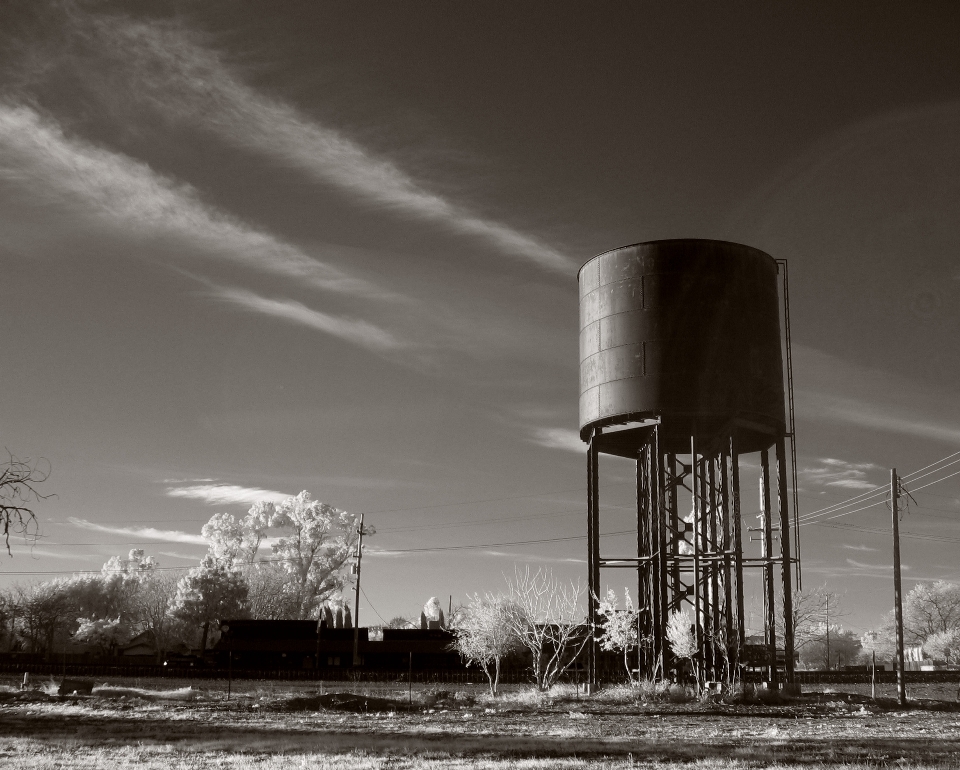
x=882 y=489
x=481 y=522
x=371 y=606
x=501 y=545
x=886 y=532
x=956 y=473
x=369 y=553
x=881 y=492
x=878 y=502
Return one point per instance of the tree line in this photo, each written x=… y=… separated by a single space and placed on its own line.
x=280 y=561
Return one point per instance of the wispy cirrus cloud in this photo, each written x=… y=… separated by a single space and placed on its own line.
x=175 y=555
x=171 y=69
x=859 y=547
x=831 y=389
x=831 y=472
x=150 y=533
x=102 y=188
x=46 y=553
x=558 y=438
x=355 y=331
x=534 y=557
x=226 y=494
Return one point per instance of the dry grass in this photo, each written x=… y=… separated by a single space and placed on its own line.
x=26 y=755
x=174 y=725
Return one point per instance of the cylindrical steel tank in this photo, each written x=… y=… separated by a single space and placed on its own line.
x=687 y=331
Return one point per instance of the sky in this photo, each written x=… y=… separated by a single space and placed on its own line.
x=255 y=248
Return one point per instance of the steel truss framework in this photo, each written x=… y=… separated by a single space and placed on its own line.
x=696 y=560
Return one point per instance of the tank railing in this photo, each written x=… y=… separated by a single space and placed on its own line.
x=791 y=416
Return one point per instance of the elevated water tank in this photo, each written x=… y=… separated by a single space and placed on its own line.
x=687 y=331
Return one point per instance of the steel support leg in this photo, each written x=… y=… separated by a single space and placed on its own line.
x=785 y=566
x=644 y=587
x=725 y=545
x=737 y=544
x=769 y=598
x=593 y=559
x=660 y=574
x=698 y=614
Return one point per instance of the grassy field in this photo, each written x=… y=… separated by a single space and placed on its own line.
x=273 y=725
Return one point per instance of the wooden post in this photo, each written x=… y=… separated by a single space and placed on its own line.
x=356 y=605
x=873 y=675
x=897 y=588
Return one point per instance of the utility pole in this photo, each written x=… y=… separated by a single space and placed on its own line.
x=897 y=588
x=826 y=622
x=356 y=605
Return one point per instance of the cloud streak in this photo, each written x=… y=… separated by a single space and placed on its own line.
x=184 y=80
x=558 y=438
x=354 y=331
x=150 y=533
x=834 y=390
x=839 y=473
x=115 y=191
x=226 y=494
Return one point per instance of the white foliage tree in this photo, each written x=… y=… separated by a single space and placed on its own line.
x=312 y=543
x=212 y=591
x=928 y=609
x=104 y=633
x=620 y=632
x=484 y=635
x=237 y=542
x=944 y=645
x=683 y=640
x=319 y=542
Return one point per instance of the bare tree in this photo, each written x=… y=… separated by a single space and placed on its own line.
x=19 y=479
x=548 y=621
x=151 y=608
x=812 y=609
x=269 y=597
x=815 y=612
x=484 y=635
x=929 y=609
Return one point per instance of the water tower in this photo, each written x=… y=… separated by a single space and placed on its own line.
x=682 y=371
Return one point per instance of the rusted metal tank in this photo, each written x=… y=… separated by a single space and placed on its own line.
x=687 y=331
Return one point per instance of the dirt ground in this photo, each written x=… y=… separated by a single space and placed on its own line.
x=267 y=727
